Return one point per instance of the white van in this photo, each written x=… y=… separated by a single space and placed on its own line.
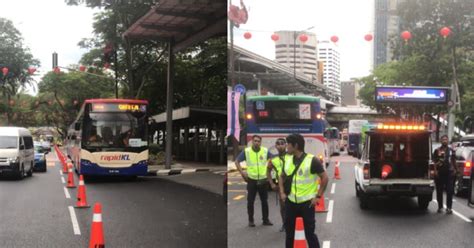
x=16 y=152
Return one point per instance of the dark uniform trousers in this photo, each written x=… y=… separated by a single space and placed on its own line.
x=254 y=186
x=307 y=213
x=445 y=180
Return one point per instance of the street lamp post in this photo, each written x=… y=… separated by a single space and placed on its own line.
x=295 y=35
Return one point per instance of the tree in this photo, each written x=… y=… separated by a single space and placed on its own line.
x=429 y=59
x=17 y=58
x=61 y=96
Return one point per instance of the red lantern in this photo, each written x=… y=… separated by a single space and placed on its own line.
x=106 y=65
x=5 y=71
x=82 y=68
x=275 y=37
x=406 y=35
x=368 y=37
x=303 y=38
x=247 y=35
x=31 y=70
x=445 y=32
x=57 y=70
x=334 y=38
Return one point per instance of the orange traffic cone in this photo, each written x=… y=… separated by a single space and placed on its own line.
x=65 y=170
x=320 y=205
x=386 y=170
x=70 y=177
x=336 y=171
x=97 y=233
x=300 y=238
x=81 y=194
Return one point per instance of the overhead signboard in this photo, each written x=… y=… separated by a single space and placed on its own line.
x=426 y=95
x=118 y=107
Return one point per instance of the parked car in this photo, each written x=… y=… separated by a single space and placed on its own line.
x=46 y=145
x=16 y=152
x=40 y=158
x=464 y=160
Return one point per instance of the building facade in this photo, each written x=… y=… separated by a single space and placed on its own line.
x=386 y=26
x=350 y=93
x=328 y=54
x=297 y=55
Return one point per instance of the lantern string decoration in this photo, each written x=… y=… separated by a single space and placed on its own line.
x=334 y=39
x=368 y=37
x=303 y=38
x=5 y=71
x=247 y=35
x=31 y=70
x=82 y=68
x=445 y=32
x=406 y=35
x=275 y=37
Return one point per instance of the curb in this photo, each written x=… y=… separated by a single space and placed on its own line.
x=169 y=172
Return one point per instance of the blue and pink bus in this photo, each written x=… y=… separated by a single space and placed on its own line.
x=109 y=137
x=274 y=117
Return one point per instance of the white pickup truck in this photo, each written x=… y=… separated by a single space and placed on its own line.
x=395 y=161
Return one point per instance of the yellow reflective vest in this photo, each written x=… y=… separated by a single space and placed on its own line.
x=304 y=186
x=256 y=163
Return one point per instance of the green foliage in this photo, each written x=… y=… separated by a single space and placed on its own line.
x=428 y=58
x=154 y=148
x=15 y=56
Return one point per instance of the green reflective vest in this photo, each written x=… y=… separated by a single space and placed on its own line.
x=256 y=163
x=304 y=186
x=278 y=163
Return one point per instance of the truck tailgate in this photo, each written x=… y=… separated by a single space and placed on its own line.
x=408 y=181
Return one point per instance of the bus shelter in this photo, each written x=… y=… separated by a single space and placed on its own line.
x=179 y=24
x=198 y=133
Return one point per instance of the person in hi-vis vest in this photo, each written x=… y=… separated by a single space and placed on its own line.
x=299 y=189
x=256 y=158
x=274 y=168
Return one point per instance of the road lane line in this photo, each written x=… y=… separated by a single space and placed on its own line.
x=326 y=244
x=60 y=172
x=239 y=197
x=457 y=213
x=333 y=188
x=75 y=224
x=62 y=180
x=68 y=196
x=330 y=210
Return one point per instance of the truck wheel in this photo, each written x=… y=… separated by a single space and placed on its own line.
x=30 y=171
x=364 y=201
x=458 y=186
x=423 y=202
x=357 y=189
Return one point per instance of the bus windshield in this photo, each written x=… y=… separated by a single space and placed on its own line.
x=283 y=112
x=115 y=130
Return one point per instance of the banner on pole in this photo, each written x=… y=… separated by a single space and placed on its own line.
x=233 y=124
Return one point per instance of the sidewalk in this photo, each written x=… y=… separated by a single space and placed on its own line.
x=181 y=167
x=231 y=166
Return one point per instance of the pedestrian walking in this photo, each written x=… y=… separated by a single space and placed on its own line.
x=299 y=189
x=274 y=168
x=256 y=158
x=445 y=171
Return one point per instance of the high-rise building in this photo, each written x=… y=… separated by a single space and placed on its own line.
x=292 y=52
x=350 y=93
x=386 y=26
x=328 y=54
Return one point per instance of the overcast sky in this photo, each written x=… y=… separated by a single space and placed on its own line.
x=350 y=20
x=49 y=26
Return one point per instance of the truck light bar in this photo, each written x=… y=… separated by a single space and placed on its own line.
x=403 y=127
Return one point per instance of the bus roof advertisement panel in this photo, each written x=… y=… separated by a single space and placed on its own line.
x=411 y=95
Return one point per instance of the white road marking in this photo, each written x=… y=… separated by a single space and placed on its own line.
x=326 y=244
x=60 y=172
x=75 y=224
x=62 y=180
x=68 y=196
x=330 y=210
x=333 y=188
x=456 y=213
